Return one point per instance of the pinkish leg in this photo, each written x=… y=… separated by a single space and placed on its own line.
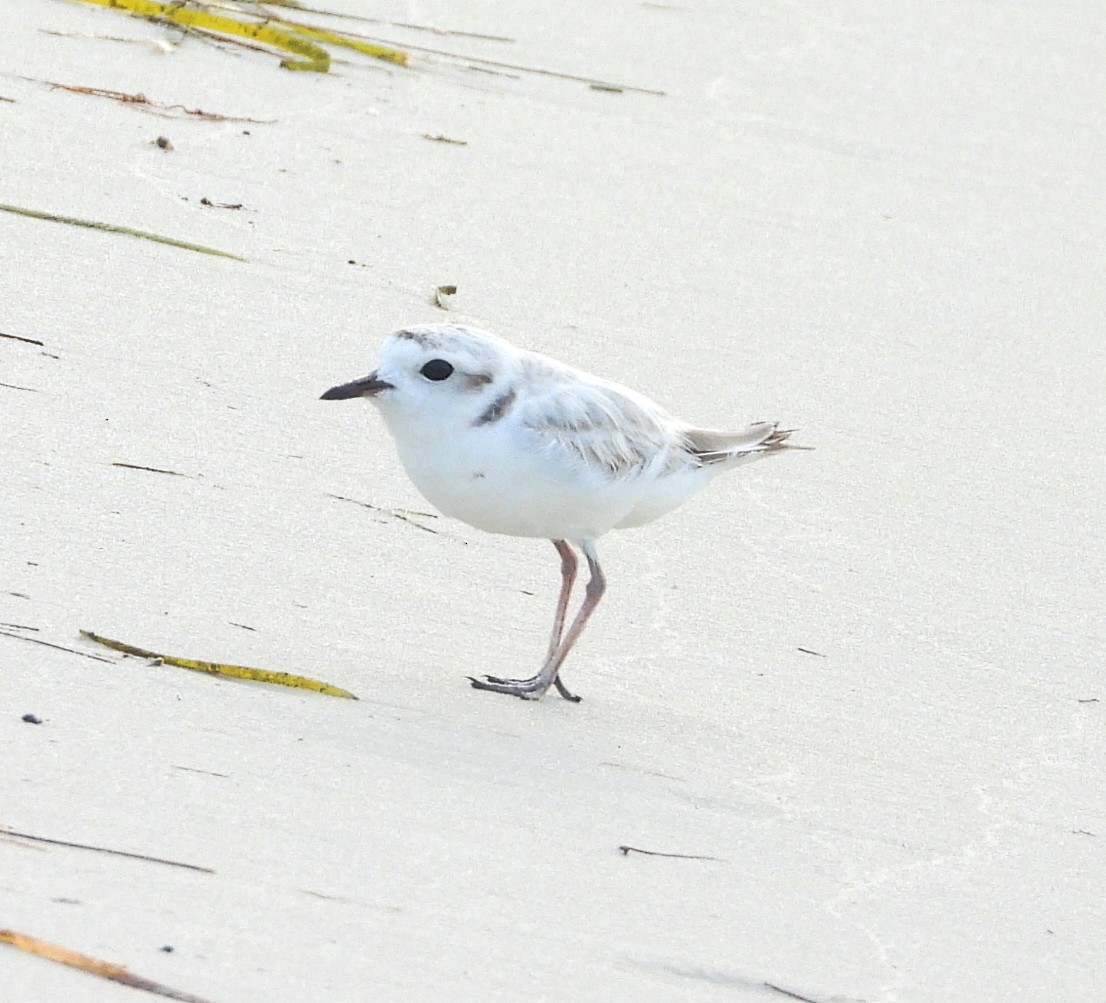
x=569 y=564
x=568 y=578
x=534 y=687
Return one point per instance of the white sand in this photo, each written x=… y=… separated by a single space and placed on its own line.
x=883 y=227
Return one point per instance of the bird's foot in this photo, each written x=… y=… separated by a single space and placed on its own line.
x=533 y=688
x=564 y=691
x=528 y=689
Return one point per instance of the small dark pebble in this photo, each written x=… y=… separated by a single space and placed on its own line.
x=32 y=719
x=166 y=949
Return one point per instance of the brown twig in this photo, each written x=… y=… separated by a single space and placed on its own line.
x=627 y=850
x=72 y=651
x=394 y=24
x=144 y=102
x=394 y=512
x=206 y=773
x=105 y=969
x=789 y=993
x=16 y=337
x=104 y=849
x=152 y=470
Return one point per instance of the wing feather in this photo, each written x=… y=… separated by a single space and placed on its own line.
x=617 y=432
x=610 y=429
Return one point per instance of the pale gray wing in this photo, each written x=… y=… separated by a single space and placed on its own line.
x=609 y=429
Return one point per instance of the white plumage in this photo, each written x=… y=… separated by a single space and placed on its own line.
x=514 y=442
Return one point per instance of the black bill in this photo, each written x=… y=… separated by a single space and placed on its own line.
x=367 y=386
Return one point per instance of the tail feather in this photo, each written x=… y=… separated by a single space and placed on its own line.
x=762 y=438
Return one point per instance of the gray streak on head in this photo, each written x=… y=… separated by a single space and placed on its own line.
x=497 y=408
x=421 y=337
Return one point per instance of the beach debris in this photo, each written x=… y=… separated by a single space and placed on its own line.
x=15 y=386
x=627 y=850
x=301 y=40
x=404 y=515
x=255 y=23
x=161 y=45
x=163 y=143
x=112 y=228
x=789 y=994
x=16 y=337
x=807 y=651
x=4 y=830
x=104 y=969
x=221 y=205
x=206 y=773
x=47 y=644
x=445 y=139
x=442 y=294
x=479 y=63
x=31 y=719
x=157 y=107
x=227 y=671
x=434 y=30
x=152 y=470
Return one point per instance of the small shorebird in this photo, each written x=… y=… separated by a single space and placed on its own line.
x=513 y=442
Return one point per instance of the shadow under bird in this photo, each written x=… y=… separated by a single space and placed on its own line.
x=513 y=442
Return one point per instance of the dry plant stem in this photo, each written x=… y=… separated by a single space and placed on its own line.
x=145 y=103
x=16 y=337
x=529 y=69
x=58 y=647
x=244 y=672
x=105 y=849
x=94 y=966
x=112 y=228
x=627 y=850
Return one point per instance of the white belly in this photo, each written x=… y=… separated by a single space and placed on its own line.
x=491 y=483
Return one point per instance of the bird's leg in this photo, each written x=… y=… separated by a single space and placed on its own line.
x=569 y=564
x=597 y=585
x=534 y=687
x=568 y=578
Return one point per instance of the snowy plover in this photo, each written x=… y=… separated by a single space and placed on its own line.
x=513 y=442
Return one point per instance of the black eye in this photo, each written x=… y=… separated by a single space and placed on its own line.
x=437 y=370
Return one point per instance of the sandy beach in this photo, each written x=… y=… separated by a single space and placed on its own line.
x=851 y=701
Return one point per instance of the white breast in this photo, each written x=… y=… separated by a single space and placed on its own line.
x=501 y=479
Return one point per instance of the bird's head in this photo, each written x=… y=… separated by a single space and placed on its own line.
x=430 y=378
